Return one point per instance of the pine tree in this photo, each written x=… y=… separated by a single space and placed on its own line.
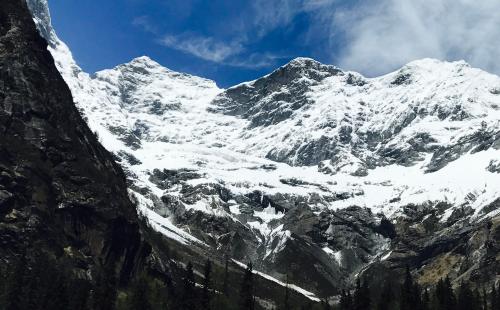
x=494 y=298
x=139 y=298
x=2 y=286
x=80 y=294
x=326 y=304
x=286 y=300
x=361 y=300
x=350 y=303
x=207 y=287
x=189 y=295
x=104 y=293
x=386 y=300
x=478 y=300
x=465 y=298
x=247 y=289
x=58 y=295
x=444 y=296
x=409 y=293
x=37 y=281
x=226 y=276
x=15 y=285
x=345 y=300
x=426 y=300
x=485 y=300
x=497 y=303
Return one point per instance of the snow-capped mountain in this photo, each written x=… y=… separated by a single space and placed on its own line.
x=301 y=169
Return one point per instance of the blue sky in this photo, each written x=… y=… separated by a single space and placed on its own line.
x=231 y=41
x=220 y=40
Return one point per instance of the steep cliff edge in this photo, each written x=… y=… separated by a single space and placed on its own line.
x=60 y=190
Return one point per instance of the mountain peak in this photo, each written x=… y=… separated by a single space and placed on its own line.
x=145 y=60
x=142 y=63
x=303 y=61
x=431 y=64
x=41 y=15
x=309 y=63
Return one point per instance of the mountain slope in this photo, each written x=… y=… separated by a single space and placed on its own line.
x=61 y=192
x=309 y=170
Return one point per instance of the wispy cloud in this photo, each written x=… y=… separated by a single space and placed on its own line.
x=377 y=36
x=206 y=48
x=385 y=34
x=369 y=36
x=270 y=15
x=256 y=60
x=145 y=24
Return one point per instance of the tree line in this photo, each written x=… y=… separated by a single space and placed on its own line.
x=44 y=283
x=410 y=296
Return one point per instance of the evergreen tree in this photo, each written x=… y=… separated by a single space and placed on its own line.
x=189 y=301
x=80 y=293
x=484 y=297
x=465 y=298
x=494 y=298
x=345 y=300
x=361 y=300
x=444 y=296
x=139 y=298
x=58 y=295
x=426 y=300
x=497 y=302
x=478 y=300
x=15 y=285
x=207 y=287
x=326 y=304
x=409 y=293
x=37 y=281
x=104 y=293
x=286 y=301
x=226 y=276
x=386 y=301
x=247 y=289
x=2 y=286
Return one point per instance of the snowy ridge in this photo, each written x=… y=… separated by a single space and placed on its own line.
x=166 y=120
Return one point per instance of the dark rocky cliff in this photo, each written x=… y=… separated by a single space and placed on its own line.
x=60 y=190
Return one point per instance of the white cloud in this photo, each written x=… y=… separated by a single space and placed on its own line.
x=369 y=36
x=383 y=35
x=256 y=60
x=269 y=15
x=144 y=23
x=378 y=36
x=206 y=48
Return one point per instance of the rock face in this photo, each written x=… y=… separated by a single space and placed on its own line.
x=60 y=190
x=309 y=171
